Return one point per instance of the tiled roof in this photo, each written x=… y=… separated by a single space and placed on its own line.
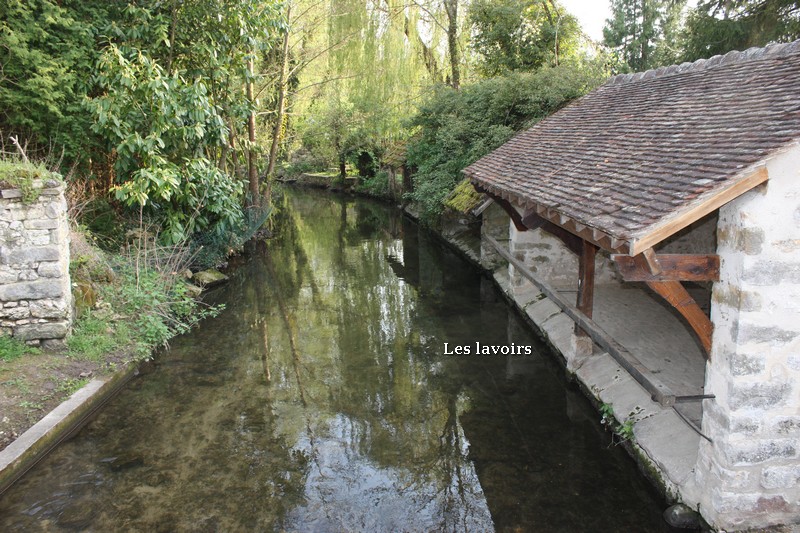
x=645 y=149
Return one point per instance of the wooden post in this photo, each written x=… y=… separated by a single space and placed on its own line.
x=585 y=301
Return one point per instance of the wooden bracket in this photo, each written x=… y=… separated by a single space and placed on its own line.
x=675 y=293
x=663 y=273
x=516 y=218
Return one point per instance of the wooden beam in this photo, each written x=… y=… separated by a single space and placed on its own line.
x=714 y=201
x=668 y=267
x=659 y=392
x=675 y=293
x=585 y=302
x=650 y=259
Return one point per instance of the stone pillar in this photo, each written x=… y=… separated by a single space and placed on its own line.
x=494 y=223
x=35 y=295
x=522 y=245
x=750 y=475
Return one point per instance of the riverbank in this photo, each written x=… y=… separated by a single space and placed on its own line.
x=129 y=304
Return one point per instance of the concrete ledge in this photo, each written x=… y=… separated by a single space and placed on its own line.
x=58 y=425
x=664 y=446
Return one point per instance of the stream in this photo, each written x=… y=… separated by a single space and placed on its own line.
x=323 y=398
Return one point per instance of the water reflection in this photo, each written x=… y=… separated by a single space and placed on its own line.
x=320 y=400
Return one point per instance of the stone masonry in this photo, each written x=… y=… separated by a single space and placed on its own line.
x=750 y=475
x=35 y=296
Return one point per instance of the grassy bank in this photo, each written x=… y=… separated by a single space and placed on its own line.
x=128 y=303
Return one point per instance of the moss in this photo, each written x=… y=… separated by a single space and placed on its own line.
x=22 y=176
x=464 y=198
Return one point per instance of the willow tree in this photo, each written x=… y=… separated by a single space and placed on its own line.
x=514 y=35
x=359 y=79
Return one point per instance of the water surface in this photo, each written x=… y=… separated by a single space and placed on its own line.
x=321 y=399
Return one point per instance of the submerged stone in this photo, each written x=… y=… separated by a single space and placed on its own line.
x=682 y=517
x=210 y=278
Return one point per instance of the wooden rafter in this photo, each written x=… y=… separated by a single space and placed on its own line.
x=670 y=226
x=532 y=221
x=516 y=218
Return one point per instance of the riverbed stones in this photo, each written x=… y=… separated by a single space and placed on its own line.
x=35 y=296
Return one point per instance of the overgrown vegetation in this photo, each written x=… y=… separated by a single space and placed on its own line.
x=459 y=127
x=622 y=431
x=11 y=348
x=22 y=175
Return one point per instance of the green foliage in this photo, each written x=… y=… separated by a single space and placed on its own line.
x=716 y=27
x=160 y=126
x=377 y=186
x=95 y=335
x=623 y=431
x=644 y=32
x=11 y=348
x=159 y=307
x=522 y=34
x=146 y=309
x=69 y=386
x=458 y=127
x=43 y=50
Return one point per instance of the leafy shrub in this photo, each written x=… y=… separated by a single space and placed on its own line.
x=377 y=186
x=459 y=127
x=160 y=124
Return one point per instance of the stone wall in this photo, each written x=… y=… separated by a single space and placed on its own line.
x=750 y=475
x=35 y=296
x=549 y=258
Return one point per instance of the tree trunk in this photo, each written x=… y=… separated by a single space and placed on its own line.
x=277 y=130
x=451 y=7
x=252 y=170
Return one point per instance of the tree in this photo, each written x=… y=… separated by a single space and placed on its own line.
x=718 y=26
x=644 y=31
x=514 y=35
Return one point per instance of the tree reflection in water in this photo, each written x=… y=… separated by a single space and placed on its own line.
x=321 y=400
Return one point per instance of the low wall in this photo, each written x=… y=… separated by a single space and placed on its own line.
x=35 y=296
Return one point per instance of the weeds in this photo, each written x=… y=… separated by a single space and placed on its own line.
x=94 y=336
x=11 y=348
x=623 y=431
x=20 y=383
x=70 y=386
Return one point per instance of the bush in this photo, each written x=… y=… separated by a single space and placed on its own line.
x=377 y=186
x=459 y=127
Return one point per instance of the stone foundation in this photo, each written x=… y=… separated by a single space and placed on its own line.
x=35 y=296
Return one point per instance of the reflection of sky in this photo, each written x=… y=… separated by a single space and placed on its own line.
x=343 y=484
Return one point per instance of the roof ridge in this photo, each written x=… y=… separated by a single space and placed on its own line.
x=770 y=51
